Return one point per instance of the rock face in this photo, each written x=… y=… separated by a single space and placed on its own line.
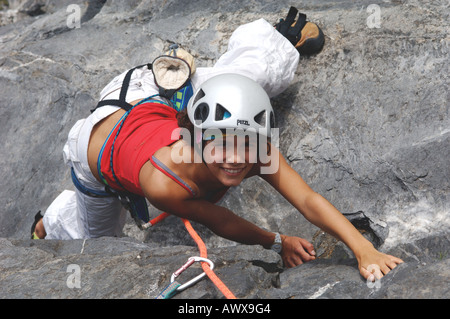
x=125 y=268
x=365 y=123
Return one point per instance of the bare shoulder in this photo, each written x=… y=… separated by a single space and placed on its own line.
x=165 y=179
x=161 y=191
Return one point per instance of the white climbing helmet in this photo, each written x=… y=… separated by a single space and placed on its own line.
x=231 y=101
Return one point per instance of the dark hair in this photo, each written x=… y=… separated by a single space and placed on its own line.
x=184 y=122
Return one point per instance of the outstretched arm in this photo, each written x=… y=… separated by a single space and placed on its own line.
x=169 y=197
x=321 y=213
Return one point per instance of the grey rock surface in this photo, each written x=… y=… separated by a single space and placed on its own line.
x=365 y=123
x=127 y=268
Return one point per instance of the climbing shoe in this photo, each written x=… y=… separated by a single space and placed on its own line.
x=306 y=36
x=37 y=218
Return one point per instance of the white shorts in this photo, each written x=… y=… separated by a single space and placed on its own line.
x=255 y=50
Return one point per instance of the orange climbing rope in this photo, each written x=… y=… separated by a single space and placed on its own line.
x=158 y=218
x=203 y=253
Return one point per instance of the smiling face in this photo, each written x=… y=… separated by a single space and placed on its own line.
x=230 y=158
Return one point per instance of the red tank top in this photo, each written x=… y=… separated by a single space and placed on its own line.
x=147 y=128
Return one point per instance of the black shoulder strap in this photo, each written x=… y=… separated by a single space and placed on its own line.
x=121 y=102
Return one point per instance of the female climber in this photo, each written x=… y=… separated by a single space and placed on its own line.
x=183 y=161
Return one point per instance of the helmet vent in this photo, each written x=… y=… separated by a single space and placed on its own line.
x=201 y=112
x=272 y=120
x=198 y=96
x=221 y=113
x=260 y=118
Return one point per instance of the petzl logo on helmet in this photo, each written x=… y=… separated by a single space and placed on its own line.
x=244 y=122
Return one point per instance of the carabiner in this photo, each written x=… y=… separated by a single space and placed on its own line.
x=190 y=261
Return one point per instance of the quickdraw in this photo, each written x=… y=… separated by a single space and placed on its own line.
x=174 y=287
x=190 y=261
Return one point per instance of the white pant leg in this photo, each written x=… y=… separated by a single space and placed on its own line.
x=60 y=218
x=256 y=50
x=74 y=215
